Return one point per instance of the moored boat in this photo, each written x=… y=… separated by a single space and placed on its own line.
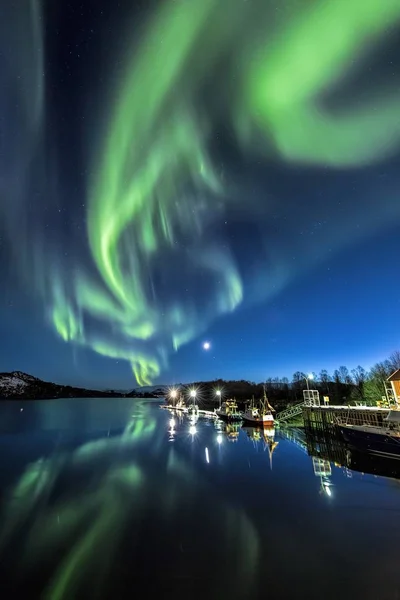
x=381 y=440
x=193 y=410
x=229 y=411
x=259 y=416
x=175 y=401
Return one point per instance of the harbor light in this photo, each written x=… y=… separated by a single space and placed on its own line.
x=218 y=392
x=308 y=378
x=173 y=393
x=193 y=393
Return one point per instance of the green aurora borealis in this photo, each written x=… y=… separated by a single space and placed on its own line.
x=153 y=177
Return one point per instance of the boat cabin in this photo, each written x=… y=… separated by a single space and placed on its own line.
x=254 y=412
x=230 y=407
x=394 y=380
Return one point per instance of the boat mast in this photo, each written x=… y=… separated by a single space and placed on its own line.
x=263 y=402
x=266 y=402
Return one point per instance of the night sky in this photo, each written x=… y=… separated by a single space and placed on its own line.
x=174 y=173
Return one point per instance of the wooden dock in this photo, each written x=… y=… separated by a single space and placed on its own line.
x=323 y=419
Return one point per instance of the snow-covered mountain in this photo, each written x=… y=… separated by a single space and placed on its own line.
x=21 y=385
x=15 y=383
x=148 y=390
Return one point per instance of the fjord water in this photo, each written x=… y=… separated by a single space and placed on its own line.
x=101 y=498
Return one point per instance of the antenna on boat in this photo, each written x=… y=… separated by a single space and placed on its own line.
x=266 y=401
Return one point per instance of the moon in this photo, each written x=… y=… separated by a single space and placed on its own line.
x=206 y=345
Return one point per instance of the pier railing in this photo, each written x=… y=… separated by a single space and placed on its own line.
x=325 y=418
x=318 y=419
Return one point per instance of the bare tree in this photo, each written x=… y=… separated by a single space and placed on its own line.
x=359 y=375
x=344 y=375
x=394 y=360
x=325 y=378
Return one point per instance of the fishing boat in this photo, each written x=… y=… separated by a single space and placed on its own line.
x=229 y=411
x=207 y=414
x=193 y=410
x=381 y=440
x=259 y=416
x=181 y=405
x=175 y=401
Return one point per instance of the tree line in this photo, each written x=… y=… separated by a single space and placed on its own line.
x=343 y=386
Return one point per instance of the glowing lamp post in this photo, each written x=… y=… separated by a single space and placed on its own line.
x=173 y=395
x=308 y=378
x=193 y=396
x=218 y=394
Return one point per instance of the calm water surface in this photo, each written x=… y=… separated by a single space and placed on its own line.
x=101 y=498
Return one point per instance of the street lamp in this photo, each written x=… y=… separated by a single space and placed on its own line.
x=173 y=395
x=193 y=395
x=218 y=393
x=308 y=378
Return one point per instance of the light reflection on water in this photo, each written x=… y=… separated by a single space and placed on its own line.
x=104 y=498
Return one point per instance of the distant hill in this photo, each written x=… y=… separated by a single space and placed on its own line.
x=148 y=391
x=21 y=385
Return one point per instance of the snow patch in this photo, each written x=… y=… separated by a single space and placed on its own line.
x=12 y=381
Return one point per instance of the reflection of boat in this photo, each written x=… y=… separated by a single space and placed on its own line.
x=171 y=430
x=347 y=456
x=373 y=464
x=229 y=411
x=259 y=416
x=231 y=431
x=382 y=440
x=266 y=435
x=257 y=435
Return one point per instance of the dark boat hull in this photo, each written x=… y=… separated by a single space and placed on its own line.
x=229 y=418
x=375 y=443
x=254 y=423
